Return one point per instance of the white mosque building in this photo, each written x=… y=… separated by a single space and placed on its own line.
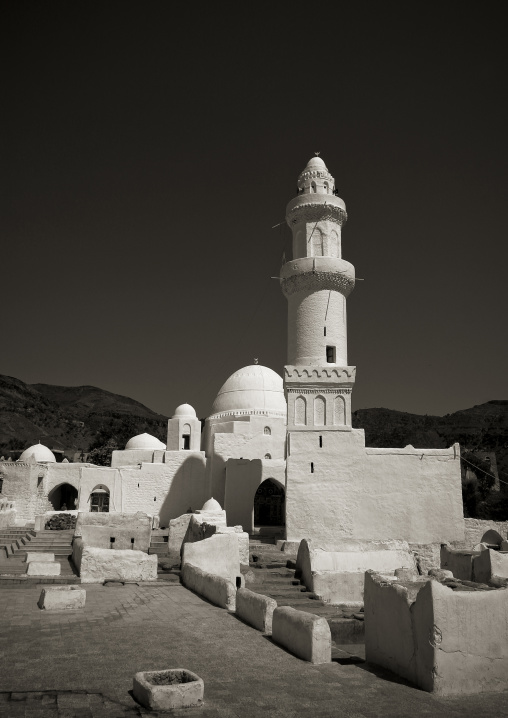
x=279 y=455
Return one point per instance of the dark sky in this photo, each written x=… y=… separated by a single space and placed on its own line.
x=147 y=150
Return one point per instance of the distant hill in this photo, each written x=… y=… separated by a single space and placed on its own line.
x=70 y=419
x=482 y=428
x=81 y=418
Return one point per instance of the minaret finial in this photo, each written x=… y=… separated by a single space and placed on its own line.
x=255 y=360
x=317 y=154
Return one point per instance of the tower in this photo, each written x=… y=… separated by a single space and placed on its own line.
x=317 y=379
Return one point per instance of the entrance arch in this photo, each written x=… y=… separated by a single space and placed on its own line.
x=63 y=497
x=270 y=504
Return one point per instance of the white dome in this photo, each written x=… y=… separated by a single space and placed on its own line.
x=316 y=163
x=252 y=390
x=144 y=441
x=40 y=452
x=185 y=410
x=211 y=506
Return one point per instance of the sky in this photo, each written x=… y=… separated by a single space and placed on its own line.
x=148 y=149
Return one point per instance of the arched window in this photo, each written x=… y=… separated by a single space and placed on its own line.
x=300 y=411
x=319 y=411
x=186 y=436
x=268 y=456
x=267 y=431
x=339 y=411
x=317 y=243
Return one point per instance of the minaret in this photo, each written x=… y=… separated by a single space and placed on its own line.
x=317 y=379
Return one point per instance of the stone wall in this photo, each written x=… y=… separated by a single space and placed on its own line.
x=129 y=531
x=340 y=489
x=475 y=529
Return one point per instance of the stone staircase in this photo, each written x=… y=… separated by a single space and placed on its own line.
x=159 y=542
x=17 y=542
x=272 y=573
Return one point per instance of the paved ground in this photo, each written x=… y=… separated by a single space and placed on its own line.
x=80 y=664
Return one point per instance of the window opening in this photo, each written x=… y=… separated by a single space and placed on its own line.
x=186 y=442
x=311 y=467
x=268 y=456
x=267 y=430
x=330 y=355
x=324 y=332
x=320 y=442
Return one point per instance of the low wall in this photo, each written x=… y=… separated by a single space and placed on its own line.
x=304 y=634
x=41 y=519
x=98 y=564
x=215 y=589
x=488 y=564
x=177 y=532
x=128 y=530
x=255 y=609
x=458 y=561
x=217 y=555
x=475 y=530
x=445 y=642
x=337 y=577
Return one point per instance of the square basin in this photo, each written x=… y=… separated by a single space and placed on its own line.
x=169 y=689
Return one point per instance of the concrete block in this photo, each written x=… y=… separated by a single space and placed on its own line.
x=304 y=634
x=255 y=609
x=218 y=590
x=40 y=557
x=43 y=568
x=168 y=690
x=62 y=598
x=98 y=564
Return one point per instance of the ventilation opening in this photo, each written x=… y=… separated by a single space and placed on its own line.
x=186 y=442
x=324 y=332
x=112 y=539
x=330 y=355
x=320 y=442
x=132 y=540
x=238 y=581
x=311 y=467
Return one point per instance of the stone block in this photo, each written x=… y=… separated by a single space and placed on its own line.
x=445 y=642
x=39 y=557
x=168 y=690
x=216 y=589
x=218 y=555
x=97 y=530
x=43 y=568
x=99 y=564
x=255 y=609
x=303 y=634
x=62 y=598
x=488 y=564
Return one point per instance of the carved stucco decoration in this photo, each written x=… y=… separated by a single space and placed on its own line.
x=341 y=373
x=336 y=281
x=313 y=212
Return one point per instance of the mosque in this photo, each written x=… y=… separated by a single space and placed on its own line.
x=279 y=454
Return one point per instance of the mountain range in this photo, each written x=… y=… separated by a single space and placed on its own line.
x=78 y=419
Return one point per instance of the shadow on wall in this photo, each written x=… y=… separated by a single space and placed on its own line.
x=187 y=490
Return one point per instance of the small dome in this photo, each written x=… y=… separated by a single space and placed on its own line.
x=144 y=441
x=211 y=506
x=316 y=163
x=185 y=410
x=254 y=389
x=40 y=453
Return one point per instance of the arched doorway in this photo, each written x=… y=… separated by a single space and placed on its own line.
x=99 y=500
x=269 y=505
x=64 y=497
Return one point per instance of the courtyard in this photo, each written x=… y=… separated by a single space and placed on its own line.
x=80 y=664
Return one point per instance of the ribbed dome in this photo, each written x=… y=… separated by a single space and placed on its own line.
x=185 y=410
x=40 y=452
x=251 y=390
x=144 y=441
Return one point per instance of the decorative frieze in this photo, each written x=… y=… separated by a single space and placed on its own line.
x=334 y=281
x=318 y=390
x=340 y=373
x=316 y=212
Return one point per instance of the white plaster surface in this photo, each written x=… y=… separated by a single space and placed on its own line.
x=304 y=634
x=43 y=568
x=488 y=564
x=98 y=565
x=217 y=589
x=458 y=561
x=40 y=557
x=217 y=555
x=445 y=642
x=97 y=529
x=255 y=609
x=62 y=598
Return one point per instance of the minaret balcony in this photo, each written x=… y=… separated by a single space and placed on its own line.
x=316 y=208
x=317 y=273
